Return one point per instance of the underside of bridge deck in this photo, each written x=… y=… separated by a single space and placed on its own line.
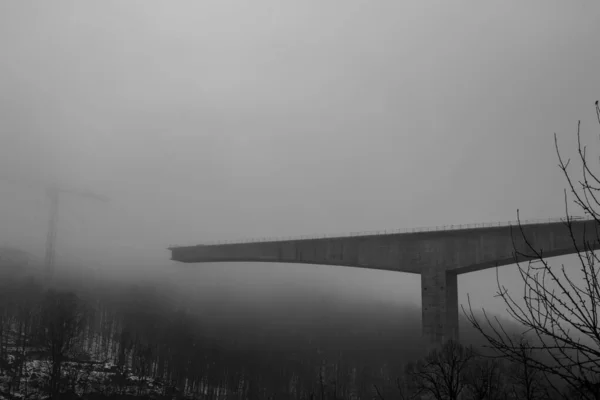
x=439 y=256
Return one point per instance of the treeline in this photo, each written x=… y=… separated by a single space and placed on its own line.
x=145 y=343
x=456 y=371
x=205 y=356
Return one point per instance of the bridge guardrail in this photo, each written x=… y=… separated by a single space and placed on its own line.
x=390 y=231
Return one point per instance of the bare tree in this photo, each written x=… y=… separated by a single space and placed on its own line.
x=408 y=389
x=442 y=372
x=24 y=315
x=559 y=315
x=63 y=323
x=484 y=379
x=525 y=381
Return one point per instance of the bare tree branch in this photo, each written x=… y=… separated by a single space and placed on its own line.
x=558 y=314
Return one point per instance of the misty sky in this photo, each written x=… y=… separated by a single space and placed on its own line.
x=206 y=120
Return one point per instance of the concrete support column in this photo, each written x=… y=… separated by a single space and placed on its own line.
x=439 y=298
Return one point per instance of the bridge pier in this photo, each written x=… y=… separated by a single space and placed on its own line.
x=439 y=298
x=438 y=255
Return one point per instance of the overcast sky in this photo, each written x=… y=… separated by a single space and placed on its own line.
x=205 y=120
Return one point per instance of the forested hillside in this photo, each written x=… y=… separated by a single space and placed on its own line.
x=117 y=339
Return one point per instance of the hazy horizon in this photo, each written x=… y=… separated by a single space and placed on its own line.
x=218 y=120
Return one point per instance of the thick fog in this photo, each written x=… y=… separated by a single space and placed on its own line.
x=209 y=120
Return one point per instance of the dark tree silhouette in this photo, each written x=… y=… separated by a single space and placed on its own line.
x=62 y=326
x=560 y=314
x=484 y=379
x=525 y=381
x=442 y=373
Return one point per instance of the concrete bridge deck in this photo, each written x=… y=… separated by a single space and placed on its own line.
x=438 y=255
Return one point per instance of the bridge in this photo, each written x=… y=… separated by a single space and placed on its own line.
x=438 y=254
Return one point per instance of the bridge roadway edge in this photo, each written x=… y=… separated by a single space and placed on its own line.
x=438 y=256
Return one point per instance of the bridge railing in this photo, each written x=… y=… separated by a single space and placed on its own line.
x=392 y=231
